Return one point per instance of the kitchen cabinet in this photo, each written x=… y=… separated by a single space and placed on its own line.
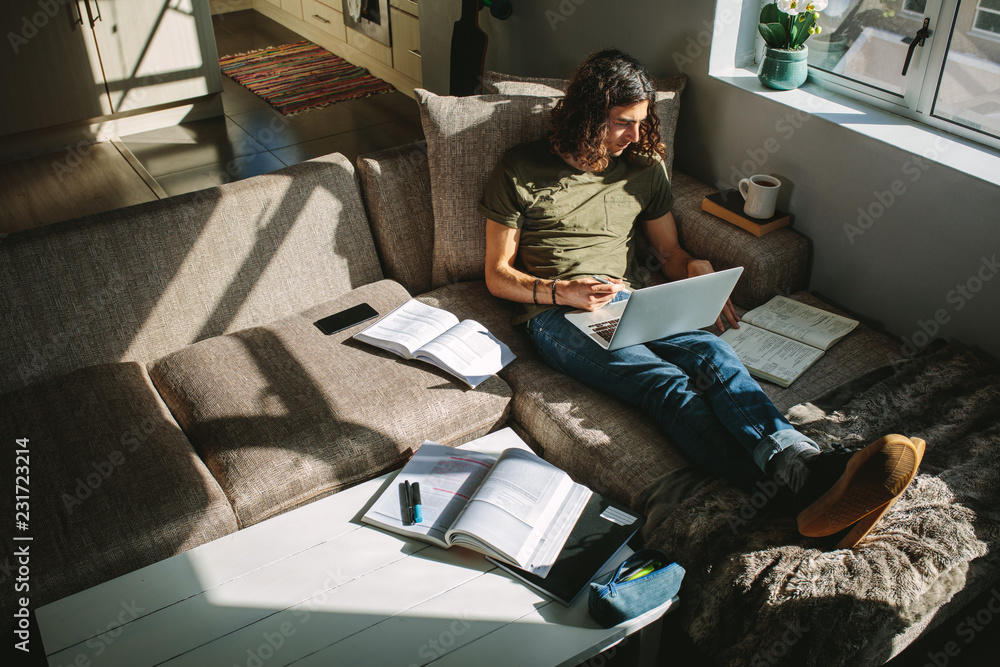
x=322 y=22
x=326 y=18
x=406 y=38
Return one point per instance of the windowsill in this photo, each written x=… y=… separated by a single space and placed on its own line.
x=938 y=147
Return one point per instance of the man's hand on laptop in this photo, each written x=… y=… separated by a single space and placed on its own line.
x=588 y=293
x=700 y=267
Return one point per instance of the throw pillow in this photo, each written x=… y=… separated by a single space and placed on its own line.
x=497 y=83
x=465 y=138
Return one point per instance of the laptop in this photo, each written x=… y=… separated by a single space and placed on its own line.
x=658 y=311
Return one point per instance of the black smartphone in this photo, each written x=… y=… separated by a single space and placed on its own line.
x=346 y=318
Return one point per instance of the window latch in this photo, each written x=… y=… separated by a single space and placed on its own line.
x=918 y=40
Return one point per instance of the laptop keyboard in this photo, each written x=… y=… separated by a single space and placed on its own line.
x=605 y=329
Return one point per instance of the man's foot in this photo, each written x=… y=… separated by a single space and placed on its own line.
x=867 y=484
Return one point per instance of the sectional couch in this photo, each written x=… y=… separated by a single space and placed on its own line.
x=162 y=363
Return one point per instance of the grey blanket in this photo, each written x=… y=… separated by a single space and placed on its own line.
x=756 y=592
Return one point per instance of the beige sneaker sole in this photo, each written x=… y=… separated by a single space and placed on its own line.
x=874 y=476
x=865 y=525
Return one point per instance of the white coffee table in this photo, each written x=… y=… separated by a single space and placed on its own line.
x=316 y=587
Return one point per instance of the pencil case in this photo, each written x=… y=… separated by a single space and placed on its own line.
x=643 y=581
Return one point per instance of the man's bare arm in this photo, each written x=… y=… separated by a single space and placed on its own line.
x=665 y=245
x=676 y=263
x=507 y=282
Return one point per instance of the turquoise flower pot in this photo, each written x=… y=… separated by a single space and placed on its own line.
x=783 y=69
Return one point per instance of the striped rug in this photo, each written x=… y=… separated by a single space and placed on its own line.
x=300 y=76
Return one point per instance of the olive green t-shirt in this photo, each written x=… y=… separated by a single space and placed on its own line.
x=573 y=223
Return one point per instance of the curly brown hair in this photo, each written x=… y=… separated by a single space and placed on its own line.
x=606 y=79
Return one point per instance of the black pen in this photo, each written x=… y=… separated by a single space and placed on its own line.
x=406 y=503
x=605 y=281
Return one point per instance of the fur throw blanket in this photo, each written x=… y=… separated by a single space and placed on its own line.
x=758 y=593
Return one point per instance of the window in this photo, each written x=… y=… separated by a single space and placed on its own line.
x=953 y=79
x=988 y=16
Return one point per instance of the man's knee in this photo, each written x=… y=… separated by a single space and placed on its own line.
x=724 y=357
x=708 y=359
x=706 y=345
x=716 y=344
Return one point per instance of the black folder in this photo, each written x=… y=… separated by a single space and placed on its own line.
x=602 y=530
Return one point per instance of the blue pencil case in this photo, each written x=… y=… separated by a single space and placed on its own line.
x=643 y=581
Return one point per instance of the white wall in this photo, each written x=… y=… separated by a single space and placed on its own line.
x=907 y=245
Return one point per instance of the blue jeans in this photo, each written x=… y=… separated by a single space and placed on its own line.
x=692 y=383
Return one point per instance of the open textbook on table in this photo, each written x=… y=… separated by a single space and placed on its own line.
x=780 y=340
x=415 y=330
x=516 y=508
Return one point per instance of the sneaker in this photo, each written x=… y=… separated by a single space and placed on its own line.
x=860 y=530
x=869 y=481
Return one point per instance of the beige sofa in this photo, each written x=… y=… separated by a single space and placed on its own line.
x=161 y=360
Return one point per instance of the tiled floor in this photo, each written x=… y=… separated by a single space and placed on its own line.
x=252 y=138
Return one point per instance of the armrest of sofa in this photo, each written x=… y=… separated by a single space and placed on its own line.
x=396 y=189
x=776 y=263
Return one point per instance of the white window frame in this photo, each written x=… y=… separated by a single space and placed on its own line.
x=924 y=75
x=979 y=32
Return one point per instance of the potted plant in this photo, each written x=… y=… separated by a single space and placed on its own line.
x=785 y=26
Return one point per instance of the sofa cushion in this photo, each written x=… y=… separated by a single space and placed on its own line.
x=283 y=414
x=112 y=483
x=465 y=138
x=136 y=283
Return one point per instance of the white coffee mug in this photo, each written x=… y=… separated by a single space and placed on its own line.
x=761 y=194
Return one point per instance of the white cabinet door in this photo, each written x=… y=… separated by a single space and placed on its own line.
x=156 y=51
x=50 y=71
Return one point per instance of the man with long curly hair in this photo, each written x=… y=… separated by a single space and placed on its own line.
x=568 y=209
